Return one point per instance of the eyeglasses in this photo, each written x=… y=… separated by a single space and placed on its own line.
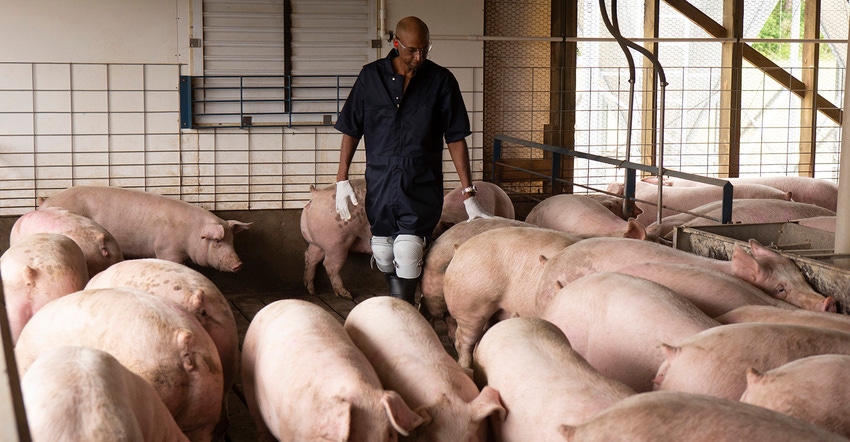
x=423 y=52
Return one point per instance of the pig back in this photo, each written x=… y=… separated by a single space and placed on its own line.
x=109 y=401
x=303 y=377
x=99 y=247
x=715 y=361
x=674 y=416
x=189 y=288
x=541 y=379
x=151 y=336
x=410 y=359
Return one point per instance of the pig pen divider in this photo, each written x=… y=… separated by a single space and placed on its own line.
x=555 y=177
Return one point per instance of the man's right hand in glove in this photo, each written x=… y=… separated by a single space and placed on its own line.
x=344 y=194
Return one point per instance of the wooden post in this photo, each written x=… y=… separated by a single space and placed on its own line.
x=13 y=420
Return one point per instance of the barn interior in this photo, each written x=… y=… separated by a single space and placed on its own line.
x=230 y=105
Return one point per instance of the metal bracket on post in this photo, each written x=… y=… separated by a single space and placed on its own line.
x=726 y=211
x=186 y=102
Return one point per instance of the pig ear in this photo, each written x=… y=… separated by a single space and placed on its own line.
x=744 y=265
x=403 y=419
x=195 y=303
x=754 y=376
x=212 y=231
x=238 y=226
x=487 y=403
x=670 y=351
x=184 y=342
x=759 y=250
x=101 y=243
x=335 y=424
x=29 y=276
x=635 y=230
x=567 y=431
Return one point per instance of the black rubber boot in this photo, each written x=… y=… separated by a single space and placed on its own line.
x=404 y=289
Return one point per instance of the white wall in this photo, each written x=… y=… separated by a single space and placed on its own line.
x=89 y=95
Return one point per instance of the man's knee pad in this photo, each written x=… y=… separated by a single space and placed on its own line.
x=382 y=253
x=409 y=251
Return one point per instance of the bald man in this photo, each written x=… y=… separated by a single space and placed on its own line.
x=404 y=107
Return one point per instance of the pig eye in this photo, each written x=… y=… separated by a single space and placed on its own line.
x=780 y=289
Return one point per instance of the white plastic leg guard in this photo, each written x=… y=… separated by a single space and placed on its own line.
x=409 y=251
x=382 y=253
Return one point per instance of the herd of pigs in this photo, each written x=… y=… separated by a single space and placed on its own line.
x=576 y=324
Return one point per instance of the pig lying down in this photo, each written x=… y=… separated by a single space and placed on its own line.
x=305 y=380
x=85 y=394
x=149 y=225
x=410 y=359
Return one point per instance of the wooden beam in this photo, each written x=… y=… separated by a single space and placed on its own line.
x=808 y=106
x=560 y=131
x=13 y=420
x=730 y=89
x=649 y=98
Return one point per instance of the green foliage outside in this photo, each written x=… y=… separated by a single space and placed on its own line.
x=778 y=25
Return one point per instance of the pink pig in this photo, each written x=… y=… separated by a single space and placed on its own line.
x=677 y=416
x=583 y=216
x=776 y=275
x=813 y=389
x=773 y=315
x=617 y=323
x=715 y=361
x=410 y=359
x=492 y=198
x=149 y=225
x=85 y=394
x=195 y=292
x=305 y=380
x=493 y=276
x=38 y=269
x=153 y=337
x=98 y=245
x=541 y=379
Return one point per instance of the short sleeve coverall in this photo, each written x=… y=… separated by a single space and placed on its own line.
x=403 y=131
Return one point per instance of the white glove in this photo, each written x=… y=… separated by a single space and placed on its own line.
x=474 y=210
x=344 y=193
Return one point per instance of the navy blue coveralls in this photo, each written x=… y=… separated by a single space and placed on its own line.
x=403 y=134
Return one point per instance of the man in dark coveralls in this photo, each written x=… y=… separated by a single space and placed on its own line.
x=403 y=106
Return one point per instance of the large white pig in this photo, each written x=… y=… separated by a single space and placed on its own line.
x=676 y=199
x=492 y=198
x=584 y=216
x=776 y=275
x=815 y=389
x=304 y=380
x=617 y=323
x=441 y=252
x=713 y=291
x=803 y=189
x=715 y=361
x=541 y=380
x=494 y=276
x=191 y=289
x=410 y=359
x=330 y=239
x=676 y=416
x=84 y=394
x=149 y=225
x=773 y=315
x=152 y=336
x=747 y=211
x=98 y=245
x=36 y=270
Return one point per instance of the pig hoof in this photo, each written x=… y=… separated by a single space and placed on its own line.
x=344 y=294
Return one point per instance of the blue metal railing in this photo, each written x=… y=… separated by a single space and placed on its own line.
x=630 y=170
x=262 y=100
